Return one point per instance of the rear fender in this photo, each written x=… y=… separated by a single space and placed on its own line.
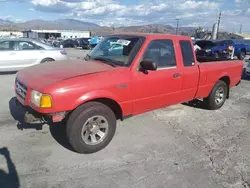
x=219 y=78
x=225 y=74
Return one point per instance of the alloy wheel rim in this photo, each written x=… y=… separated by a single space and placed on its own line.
x=219 y=95
x=94 y=130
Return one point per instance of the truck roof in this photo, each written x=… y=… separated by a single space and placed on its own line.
x=154 y=35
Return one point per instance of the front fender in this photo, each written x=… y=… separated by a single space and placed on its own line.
x=95 y=95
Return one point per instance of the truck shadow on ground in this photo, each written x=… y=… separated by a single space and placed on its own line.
x=196 y=103
x=10 y=179
x=57 y=130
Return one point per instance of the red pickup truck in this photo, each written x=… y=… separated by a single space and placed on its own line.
x=124 y=75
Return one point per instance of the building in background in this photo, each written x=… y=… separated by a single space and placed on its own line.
x=64 y=34
x=244 y=35
x=10 y=34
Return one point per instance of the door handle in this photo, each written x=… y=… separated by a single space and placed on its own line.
x=13 y=53
x=176 y=75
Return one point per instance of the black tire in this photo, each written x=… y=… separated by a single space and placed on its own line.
x=242 y=55
x=77 y=120
x=46 y=60
x=211 y=102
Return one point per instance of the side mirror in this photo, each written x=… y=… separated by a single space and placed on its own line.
x=148 y=65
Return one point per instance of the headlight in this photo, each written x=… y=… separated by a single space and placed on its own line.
x=41 y=100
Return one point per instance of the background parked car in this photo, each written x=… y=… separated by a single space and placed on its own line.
x=84 y=43
x=248 y=68
x=222 y=49
x=94 y=41
x=68 y=43
x=209 y=49
x=16 y=54
x=240 y=50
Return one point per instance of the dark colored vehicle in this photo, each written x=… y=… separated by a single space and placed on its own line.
x=206 y=52
x=68 y=43
x=240 y=50
x=123 y=76
x=84 y=43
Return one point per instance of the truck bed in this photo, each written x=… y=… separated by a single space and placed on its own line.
x=211 y=71
x=203 y=59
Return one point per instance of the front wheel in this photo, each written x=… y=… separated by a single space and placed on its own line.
x=217 y=97
x=91 y=127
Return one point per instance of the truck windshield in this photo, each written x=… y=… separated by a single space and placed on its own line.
x=118 y=50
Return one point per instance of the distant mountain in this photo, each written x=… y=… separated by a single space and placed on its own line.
x=71 y=24
x=151 y=28
x=67 y=24
x=3 y=22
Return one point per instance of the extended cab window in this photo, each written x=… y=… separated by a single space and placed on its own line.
x=161 y=52
x=187 y=53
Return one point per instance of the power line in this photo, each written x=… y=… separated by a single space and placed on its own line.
x=241 y=28
x=218 y=28
x=177 y=26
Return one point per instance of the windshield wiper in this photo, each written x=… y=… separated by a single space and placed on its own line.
x=107 y=61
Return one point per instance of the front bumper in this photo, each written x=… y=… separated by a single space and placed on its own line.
x=31 y=116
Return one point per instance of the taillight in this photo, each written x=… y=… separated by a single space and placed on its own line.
x=63 y=52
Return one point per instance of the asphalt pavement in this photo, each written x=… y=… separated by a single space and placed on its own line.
x=182 y=146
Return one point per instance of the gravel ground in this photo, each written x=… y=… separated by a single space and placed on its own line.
x=180 y=146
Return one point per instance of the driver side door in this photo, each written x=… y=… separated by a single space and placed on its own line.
x=161 y=87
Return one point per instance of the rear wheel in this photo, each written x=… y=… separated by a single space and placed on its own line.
x=217 y=97
x=91 y=127
x=46 y=60
x=242 y=55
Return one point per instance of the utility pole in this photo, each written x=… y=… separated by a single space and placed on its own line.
x=177 y=26
x=240 y=28
x=218 y=28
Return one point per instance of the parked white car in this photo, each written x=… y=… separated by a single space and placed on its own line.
x=19 y=53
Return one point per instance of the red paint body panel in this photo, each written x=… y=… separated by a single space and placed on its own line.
x=213 y=71
x=72 y=83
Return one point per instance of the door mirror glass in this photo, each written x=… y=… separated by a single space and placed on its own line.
x=148 y=65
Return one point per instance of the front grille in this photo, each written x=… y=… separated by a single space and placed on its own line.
x=21 y=89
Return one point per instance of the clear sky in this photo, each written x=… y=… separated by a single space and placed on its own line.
x=133 y=12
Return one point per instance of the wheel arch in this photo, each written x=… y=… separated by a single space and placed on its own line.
x=104 y=98
x=47 y=58
x=112 y=104
x=227 y=80
x=243 y=50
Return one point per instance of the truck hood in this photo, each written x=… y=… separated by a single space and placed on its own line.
x=42 y=75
